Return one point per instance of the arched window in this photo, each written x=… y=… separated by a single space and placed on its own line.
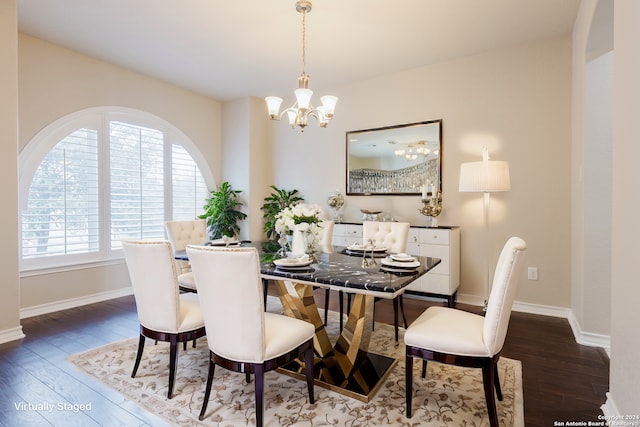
x=99 y=176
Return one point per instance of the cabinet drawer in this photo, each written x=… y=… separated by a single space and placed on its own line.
x=434 y=236
x=437 y=251
x=436 y=284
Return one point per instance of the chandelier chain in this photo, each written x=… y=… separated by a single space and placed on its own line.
x=304 y=40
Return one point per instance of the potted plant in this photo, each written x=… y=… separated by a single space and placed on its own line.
x=222 y=212
x=277 y=201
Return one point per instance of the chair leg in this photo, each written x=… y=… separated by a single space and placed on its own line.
x=404 y=318
x=247 y=377
x=207 y=391
x=497 y=383
x=488 y=375
x=265 y=286
x=341 y=303
x=326 y=305
x=395 y=319
x=424 y=368
x=308 y=362
x=138 y=356
x=173 y=363
x=408 y=379
x=258 y=371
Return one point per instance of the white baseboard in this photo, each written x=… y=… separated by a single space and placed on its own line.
x=609 y=409
x=588 y=338
x=11 y=334
x=73 y=302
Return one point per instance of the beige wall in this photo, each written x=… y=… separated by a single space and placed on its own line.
x=10 y=328
x=54 y=82
x=625 y=345
x=515 y=101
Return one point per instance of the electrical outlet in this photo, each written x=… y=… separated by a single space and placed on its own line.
x=532 y=273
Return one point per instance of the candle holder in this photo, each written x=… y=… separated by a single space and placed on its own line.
x=432 y=207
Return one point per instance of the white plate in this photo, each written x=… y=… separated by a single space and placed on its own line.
x=294 y=267
x=397 y=270
x=221 y=242
x=402 y=257
x=303 y=261
x=400 y=264
x=362 y=248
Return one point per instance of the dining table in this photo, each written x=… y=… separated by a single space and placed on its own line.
x=345 y=363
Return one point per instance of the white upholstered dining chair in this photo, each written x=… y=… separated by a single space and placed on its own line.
x=243 y=337
x=164 y=313
x=394 y=236
x=181 y=234
x=457 y=337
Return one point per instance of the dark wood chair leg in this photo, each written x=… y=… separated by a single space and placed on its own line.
x=308 y=366
x=497 y=382
x=341 y=303
x=184 y=345
x=488 y=375
x=207 y=391
x=395 y=319
x=404 y=318
x=265 y=286
x=138 y=356
x=247 y=377
x=424 y=368
x=173 y=363
x=258 y=371
x=408 y=379
x=326 y=306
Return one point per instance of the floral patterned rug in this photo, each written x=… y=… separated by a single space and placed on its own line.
x=448 y=396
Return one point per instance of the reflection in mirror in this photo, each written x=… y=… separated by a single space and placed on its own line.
x=400 y=160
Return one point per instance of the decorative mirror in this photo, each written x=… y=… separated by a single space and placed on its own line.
x=395 y=160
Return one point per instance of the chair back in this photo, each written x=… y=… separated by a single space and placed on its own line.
x=392 y=235
x=154 y=281
x=230 y=293
x=326 y=235
x=503 y=292
x=183 y=233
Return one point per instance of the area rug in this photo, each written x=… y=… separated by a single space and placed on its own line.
x=448 y=396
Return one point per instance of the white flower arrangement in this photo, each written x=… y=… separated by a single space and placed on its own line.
x=305 y=217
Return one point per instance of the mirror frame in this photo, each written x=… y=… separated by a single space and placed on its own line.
x=414 y=176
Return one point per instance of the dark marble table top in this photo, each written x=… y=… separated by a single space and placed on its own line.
x=340 y=269
x=336 y=268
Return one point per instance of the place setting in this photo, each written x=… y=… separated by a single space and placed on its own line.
x=294 y=263
x=400 y=263
x=358 y=249
x=224 y=241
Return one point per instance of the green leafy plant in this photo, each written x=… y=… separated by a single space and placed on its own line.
x=222 y=212
x=278 y=200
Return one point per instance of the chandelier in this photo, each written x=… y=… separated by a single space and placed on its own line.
x=413 y=151
x=302 y=109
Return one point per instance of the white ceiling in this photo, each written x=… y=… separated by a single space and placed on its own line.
x=231 y=49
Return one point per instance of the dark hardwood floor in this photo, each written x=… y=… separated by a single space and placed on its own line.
x=563 y=381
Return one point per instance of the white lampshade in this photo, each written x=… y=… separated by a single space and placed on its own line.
x=273 y=105
x=292 y=117
x=303 y=96
x=329 y=105
x=486 y=176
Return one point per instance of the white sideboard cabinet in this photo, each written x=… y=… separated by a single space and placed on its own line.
x=444 y=279
x=441 y=242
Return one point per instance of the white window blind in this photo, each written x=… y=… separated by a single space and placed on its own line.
x=189 y=189
x=137 y=182
x=62 y=215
